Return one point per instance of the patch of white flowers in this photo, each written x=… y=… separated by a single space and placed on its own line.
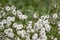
x=38 y=28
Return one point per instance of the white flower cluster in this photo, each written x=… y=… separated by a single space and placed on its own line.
x=38 y=29
x=9 y=32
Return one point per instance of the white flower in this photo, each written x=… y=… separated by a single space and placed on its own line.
x=22 y=17
x=10 y=35
x=35 y=15
x=43 y=17
x=7 y=8
x=8 y=22
x=52 y=37
x=9 y=18
x=58 y=24
x=29 y=26
x=28 y=31
x=27 y=38
x=13 y=19
x=7 y=31
x=55 y=39
x=55 y=15
x=45 y=22
x=19 y=26
x=42 y=29
x=14 y=12
x=19 y=33
x=15 y=25
x=58 y=28
x=13 y=7
x=47 y=27
x=30 y=22
x=4 y=21
x=40 y=21
x=32 y=30
x=44 y=37
x=18 y=38
x=59 y=32
x=42 y=33
x=35 y=36
x=19 y=12
x=47 y=16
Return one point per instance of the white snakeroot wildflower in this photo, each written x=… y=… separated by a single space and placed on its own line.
x=10 y=35
x=22 y=17
x=19 y=12
x=42 y=33
x=55 y=39
x=35 y=36
x=35 y=15
x=40 y=21
x=19 y=26
x=4 y=21
x=7 y=31
x=59 y=32
x=29 y=26
x=18 y=38
x=9 y=18
x=32 y=30
x=15 y=25
x=14 y=12
x=13 y=7
x=47 y=16
x=58 y=23
x=7 y=8
x=44 y=37
x=30 y=22
x=8 y=22
x=47 y=27
x=27 y=38
x=42 y=29
x=55 y=15
x=45 y=22
x=21 y=33
x=12 y=18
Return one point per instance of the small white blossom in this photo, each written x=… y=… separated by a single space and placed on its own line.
x=35 y=36
x=18 y=38
x=13 y=7
x=19 y=26
x=12 y=18
x=19 y=12
x=47 y=27
x=35 y=15
x=9 y=32
x=14 y=12
x=59 y=32
x=32 y=30
x=55 y=39
x=4 y=21
x=7 y=8
x=15 y=25
x=55 y=15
